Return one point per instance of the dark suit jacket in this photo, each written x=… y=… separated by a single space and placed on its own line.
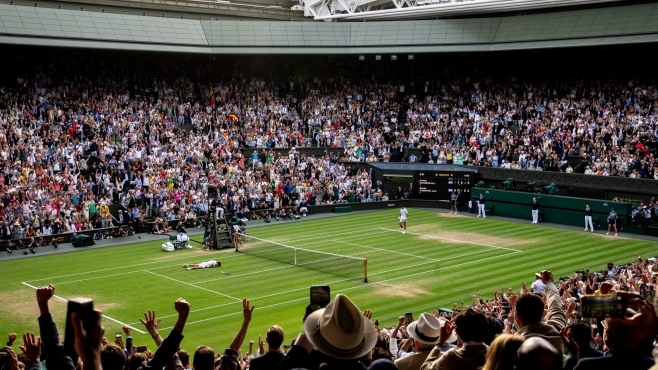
x=164 y=353
x=55 y=357
x=620 y=358
x=268 y=361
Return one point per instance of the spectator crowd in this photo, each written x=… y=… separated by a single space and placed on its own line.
x=81 y=135
x=538 y=327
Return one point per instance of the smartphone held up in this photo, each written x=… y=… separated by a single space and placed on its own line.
x=602 y=306
x=84 y=307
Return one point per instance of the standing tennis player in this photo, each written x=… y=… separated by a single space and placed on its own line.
x=403 y=219
x=588 y=218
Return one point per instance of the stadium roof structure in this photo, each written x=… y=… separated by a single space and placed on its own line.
x=93 y=27
x=363 y=10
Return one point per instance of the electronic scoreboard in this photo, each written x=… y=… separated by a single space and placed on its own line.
x=438 y=185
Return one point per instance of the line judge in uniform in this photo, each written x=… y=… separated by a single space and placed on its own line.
x=481 y=202
x=535 y=211
x=588 y=218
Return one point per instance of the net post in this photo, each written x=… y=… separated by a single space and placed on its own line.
x=365 y=270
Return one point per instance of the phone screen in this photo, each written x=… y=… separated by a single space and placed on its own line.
x=140 y=348
x=85 y=308
x=599 y=307
x=408 y=318
x=320 y=296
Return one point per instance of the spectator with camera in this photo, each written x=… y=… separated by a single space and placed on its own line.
x=424 y=334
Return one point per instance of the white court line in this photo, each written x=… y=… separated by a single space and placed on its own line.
x=261 y=271
x=334 y=239
x=105 y=316
x=332 y=282
x=387 y=250
x=127 y=266
x=249 y=273
x=453 y=240
x=346 y=289
x=330 y=235
x=192 y=285
x=113 y=275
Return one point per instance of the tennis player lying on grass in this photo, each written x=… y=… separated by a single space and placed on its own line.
x=202 y=265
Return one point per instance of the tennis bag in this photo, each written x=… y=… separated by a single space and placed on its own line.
x=168 y=247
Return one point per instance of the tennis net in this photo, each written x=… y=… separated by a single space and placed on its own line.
x=335 y=264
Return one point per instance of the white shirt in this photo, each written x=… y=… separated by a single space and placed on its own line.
x=403 y=213
x=538 y=286
x=208 y=264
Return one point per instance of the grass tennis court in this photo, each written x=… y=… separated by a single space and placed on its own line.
x=443 y=259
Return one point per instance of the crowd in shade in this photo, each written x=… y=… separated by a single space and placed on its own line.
x=541 y=327
x=82 y=131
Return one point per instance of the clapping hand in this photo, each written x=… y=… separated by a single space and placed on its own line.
x=569 y=342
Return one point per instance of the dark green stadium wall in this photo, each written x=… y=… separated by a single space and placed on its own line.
x=553 y=208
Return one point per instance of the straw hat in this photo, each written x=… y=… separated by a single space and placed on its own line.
x=340 y=330
x=426 y=330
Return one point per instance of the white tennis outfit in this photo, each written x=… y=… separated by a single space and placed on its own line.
x=208 y=264
x=403 y=214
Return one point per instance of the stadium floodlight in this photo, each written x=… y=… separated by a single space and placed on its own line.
x=362 y=57
x=410 y=57
x=378 y=57
x=394 y=57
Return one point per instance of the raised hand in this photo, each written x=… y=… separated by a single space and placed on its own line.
x=127 y=330
x=645 y=319
x=31 y=348
x=182 y=307
x=88 y=340
x=13 y=360
x=43 y=295
x=150 y=324
x=241 y=362
x=261 y=346
x=446 y=331
x=569 y=342
x=246 y=311
x=400 y=321
x=12 y=338
x=367 y=314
